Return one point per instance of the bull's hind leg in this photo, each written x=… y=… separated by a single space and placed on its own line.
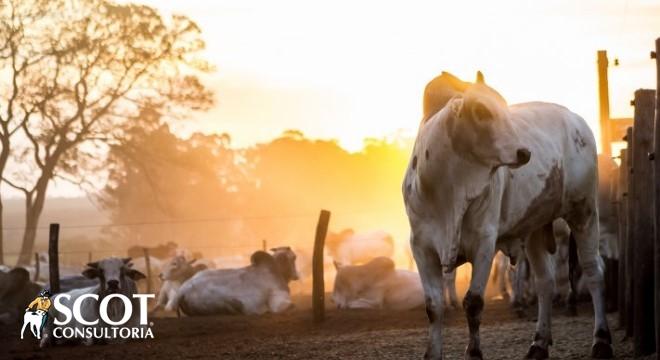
x=584 y=224
x=541 y=265
x=430 y=272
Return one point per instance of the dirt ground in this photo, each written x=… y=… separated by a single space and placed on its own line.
x=344 y=335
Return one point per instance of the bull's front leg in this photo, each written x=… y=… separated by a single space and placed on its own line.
x=473 y=302
x=430 y=272
x=541 y=265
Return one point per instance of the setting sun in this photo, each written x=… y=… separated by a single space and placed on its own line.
x=350 y=70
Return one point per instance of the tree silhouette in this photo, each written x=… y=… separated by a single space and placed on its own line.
x=95 y=66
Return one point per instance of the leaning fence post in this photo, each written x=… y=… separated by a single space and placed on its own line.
x=53 y=258
x=37 y=266
x=622 y=196
x=147 y=264
x=318 y=287
x=630 y=246
x=641 y=204
x=655 y=213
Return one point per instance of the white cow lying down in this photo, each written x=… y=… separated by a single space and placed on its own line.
x=482 y=176
x=347 y=247
x=261 y=287
x=377 y=285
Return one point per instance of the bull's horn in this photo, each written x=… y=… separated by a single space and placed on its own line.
x=127 y=260
x=94 y=264
x=480 y=78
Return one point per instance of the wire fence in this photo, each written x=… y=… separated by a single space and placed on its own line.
x=210 y=238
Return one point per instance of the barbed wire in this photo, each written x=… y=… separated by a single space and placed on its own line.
x=190 y=221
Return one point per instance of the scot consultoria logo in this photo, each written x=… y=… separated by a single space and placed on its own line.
x=87 y=317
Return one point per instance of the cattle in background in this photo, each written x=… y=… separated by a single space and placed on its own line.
x=16 y=292
x=377 y=285
x=155 y=267
x=484 y=175
x=160 y=251
x=347 y=247
x=44 y=269
x=261 y=287
x=174 y=273
x=114 y=276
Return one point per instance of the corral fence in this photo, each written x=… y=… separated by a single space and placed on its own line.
x=317 y=251
x=636 y=195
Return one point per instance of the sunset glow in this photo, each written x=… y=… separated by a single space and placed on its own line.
x=350 y=70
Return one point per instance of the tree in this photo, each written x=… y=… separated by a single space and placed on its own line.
x=17 y=60
x=156 y=177
x=100 y=65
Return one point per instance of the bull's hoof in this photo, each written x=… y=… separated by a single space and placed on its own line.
x=602 y=350
x=473 y=354
x=536 y=352
x=429 y=356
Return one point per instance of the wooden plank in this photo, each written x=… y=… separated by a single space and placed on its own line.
x=604 y=103
x=630 y=279
x=642 y=225
x=53 y=258
x=656 y=174
x=318 y=286
x=622 y=209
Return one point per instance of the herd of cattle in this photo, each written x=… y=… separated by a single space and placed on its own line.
x=365 y=277
x=484 y=178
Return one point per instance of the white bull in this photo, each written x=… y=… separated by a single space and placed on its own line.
x=484 y=175
x=377 y=285
x=256 y=289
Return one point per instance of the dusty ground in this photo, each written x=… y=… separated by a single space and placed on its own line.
x=344 y=335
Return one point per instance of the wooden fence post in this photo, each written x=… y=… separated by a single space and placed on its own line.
x=53 y=258
x=37 y=267
x=89 y=257
x=264 y=245
x=622 y=210
x=656 y=172
x=318 y=286
x=147 y=264
x=641 y=205
x=630 y=246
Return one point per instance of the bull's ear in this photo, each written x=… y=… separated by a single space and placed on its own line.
x=480 y=78
x=91 y=272
x=456 y=106
x=476 y=110
x=134 y=274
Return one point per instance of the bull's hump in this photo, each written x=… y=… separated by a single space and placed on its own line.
x=540 y=210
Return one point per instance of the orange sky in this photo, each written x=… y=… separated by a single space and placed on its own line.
x=350 y=69
x=353 y=69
